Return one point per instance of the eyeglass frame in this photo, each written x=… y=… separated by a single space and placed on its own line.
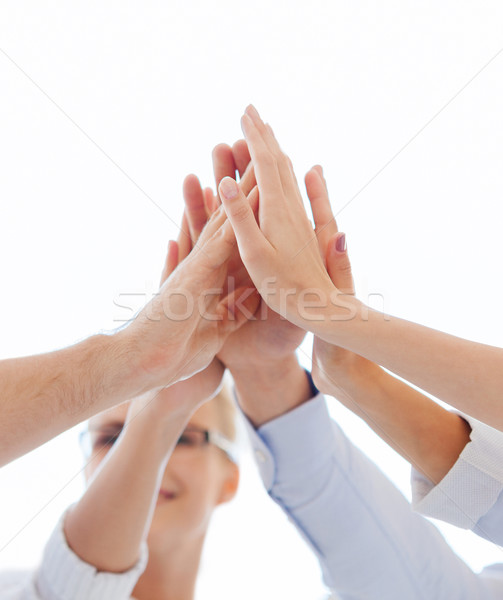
x=213 y=437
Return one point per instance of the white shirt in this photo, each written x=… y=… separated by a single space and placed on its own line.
x=368 y=541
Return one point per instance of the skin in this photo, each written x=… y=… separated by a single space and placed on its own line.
x=151 y=492
x=283 y=261
x=46 y=394
x=260 y=355
x=119 y=506
x=425 y=434
x=269 y=380
x=146 y=488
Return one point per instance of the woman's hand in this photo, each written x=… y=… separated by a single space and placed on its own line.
x=332 y=365
x=267 y=338
x=280 y=251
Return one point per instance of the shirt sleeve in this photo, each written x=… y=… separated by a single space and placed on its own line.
x=368 y=541
x=471 y=494
x=63 y=575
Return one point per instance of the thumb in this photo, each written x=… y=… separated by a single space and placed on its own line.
x=239 y=212
x=338 y=265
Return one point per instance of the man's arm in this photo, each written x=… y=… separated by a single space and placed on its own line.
x=43 y=395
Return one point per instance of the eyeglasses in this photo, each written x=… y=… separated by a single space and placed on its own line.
x=102 y=440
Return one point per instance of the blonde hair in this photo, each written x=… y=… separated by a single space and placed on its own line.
x=227 y=412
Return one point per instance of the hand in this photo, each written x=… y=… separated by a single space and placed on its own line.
x=180 y=331
x=332 y=365
x=181 y=399
x=268 y=337
x=281 y=255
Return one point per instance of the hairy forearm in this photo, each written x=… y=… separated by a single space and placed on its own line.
x=43 y=395
x=109 y=523
x=267 y=391
x=425 y=434
x=465 y=374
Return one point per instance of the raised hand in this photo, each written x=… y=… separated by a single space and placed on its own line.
x=267 y=337
x=280 y=251
x=180 y=331
x=332 y=365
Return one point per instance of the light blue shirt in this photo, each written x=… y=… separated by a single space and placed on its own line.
x=368 y=541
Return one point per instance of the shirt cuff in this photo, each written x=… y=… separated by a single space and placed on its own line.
x=473 y=484
x=63 y=575
x=287 y=447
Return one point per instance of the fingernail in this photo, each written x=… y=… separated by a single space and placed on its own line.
x=229 y=188
x=252 y=111
x=340 y=244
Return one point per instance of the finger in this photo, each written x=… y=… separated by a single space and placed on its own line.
x=264 y=130
x=338 y=265
x=223 y=163
x=220 y=246
x=237 y=308
x=184 y=240
x=171 y=261
x=241 y=156
x=251 y=240
x=211 y=201
x=248 y=181
x=214 y=223
x=266 y=167
x=324 y=221
x=195 y=207
x=284 y=164
x=253 y=201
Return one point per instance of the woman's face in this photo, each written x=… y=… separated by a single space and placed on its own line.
x=197 y=479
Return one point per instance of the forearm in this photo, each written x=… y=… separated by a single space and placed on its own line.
x=109 y=523
x=369 y=543
x=425 y=434
x=466 y=375
x=43 y=395
x=266 y=391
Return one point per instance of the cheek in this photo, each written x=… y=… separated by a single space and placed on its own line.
x=200 y=484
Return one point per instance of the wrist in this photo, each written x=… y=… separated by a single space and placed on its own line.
x=144 y=363
x=339 y=321
x=265 y=371
x=160 y=427
x=277 y=388
x=108 y=359
x=161 y=407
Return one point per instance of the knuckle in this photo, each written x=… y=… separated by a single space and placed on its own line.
x=240 y=213
x=267 y=159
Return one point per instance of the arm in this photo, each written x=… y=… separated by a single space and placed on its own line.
x=262 y=352
x=282 y=259
x=425 y=434
x=458 y=475
x=369 y=543
x=108 y=525
x=43 y=395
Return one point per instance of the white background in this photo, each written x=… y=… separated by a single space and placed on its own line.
x=151 y=87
